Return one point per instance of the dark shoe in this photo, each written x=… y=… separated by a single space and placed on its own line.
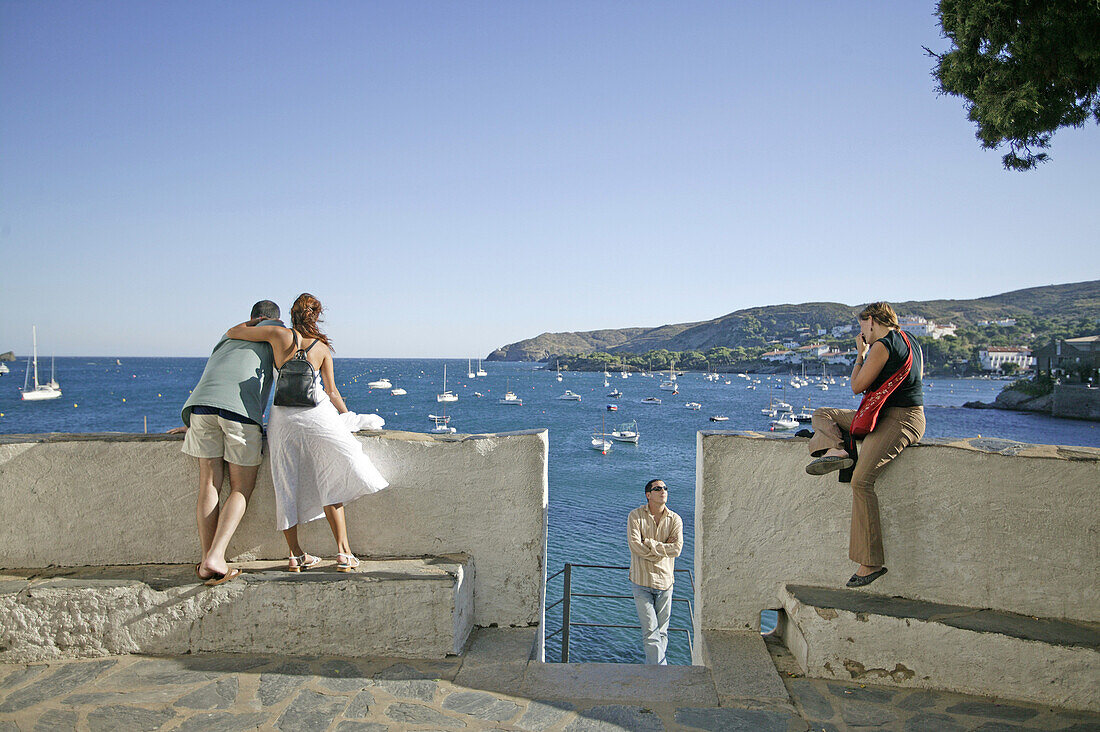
x=828 y=464
x=857 y=581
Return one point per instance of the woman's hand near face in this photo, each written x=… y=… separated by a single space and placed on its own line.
x=861 y=347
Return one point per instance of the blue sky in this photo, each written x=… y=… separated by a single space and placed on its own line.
x=448 y=177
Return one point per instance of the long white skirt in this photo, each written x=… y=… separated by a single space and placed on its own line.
x=315 y=462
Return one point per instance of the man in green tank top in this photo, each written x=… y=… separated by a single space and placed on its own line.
x=223 y=418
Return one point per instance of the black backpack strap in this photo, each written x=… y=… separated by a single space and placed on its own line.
x=295 y=334
x=311 y=345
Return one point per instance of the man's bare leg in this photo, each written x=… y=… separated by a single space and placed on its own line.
x=211 y=475
x=242 y=479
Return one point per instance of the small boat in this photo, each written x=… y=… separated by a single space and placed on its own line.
x=470 y=370
x=599 y=438
x=481 y=371
x=49 y=390
x=4 y=369
x=559 y=370
x=446 y=396
x=512 y=399
x=651 y=400
x=719 y=418
x=612 y=407
x=569 y=396
x=478 y=394
x=694 y=406
x=670 y=383
x=615 y=394
x=606 y=383
x=441 y=425
x=380 y=384
x=626 y=432
x=786 y=422
x=398 y=392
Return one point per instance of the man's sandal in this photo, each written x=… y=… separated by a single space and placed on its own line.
x=218 y=579
x=299 y=563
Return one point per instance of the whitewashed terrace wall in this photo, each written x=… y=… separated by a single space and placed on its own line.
x=980 y=523
x=77 y=500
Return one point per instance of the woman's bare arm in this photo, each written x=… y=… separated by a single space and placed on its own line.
x=280 y=339
x=329 y=379
x=866 y=371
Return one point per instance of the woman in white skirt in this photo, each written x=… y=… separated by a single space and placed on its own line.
x=316 y=464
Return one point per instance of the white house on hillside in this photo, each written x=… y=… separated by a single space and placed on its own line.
x=918 y=326
x=993 y=358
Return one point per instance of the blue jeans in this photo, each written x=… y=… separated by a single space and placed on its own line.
x=654 y=611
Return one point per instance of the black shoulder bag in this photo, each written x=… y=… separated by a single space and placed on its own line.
x=297 y=381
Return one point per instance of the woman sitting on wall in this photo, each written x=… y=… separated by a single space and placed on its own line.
x=887 y=371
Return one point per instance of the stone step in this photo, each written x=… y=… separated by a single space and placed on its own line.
x=399 y=607
x=857 y=636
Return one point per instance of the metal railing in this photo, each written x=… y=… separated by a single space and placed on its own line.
x=568 y=594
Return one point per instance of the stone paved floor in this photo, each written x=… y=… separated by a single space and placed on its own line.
x=265 y=692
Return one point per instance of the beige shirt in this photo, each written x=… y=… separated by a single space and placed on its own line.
x=654 y=546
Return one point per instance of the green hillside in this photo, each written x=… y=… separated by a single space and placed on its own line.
x=1042 y=313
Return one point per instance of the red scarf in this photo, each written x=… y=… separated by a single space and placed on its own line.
x=867 y=415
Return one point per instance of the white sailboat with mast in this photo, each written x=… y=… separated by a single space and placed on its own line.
x=446 y=396
x=50 y=390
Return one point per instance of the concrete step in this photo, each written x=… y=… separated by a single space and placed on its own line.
x=401 y=607
x=857 y=636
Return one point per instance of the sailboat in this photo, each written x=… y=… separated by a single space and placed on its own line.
x=559 y=370
x=446 y=396
x=481 y=371
x=510 y=397
x=599 y=439
x=3 y=369
x=442 y=423
x=470 y=370
x=51 y=390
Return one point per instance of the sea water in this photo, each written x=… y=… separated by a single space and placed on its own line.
x=590 y=493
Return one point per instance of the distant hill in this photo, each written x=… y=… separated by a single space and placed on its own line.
x=753 y=327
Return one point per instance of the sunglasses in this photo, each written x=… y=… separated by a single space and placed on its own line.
x=654 y=490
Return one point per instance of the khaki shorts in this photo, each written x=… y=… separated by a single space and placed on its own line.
x=211 y=436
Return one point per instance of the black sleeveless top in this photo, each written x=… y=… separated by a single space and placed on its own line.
x=909 y=394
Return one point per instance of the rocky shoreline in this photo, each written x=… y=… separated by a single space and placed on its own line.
x=1017 y=401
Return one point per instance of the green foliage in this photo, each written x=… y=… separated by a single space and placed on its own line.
x=1041 y=385
x=1025 y=69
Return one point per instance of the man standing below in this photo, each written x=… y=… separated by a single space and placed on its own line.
x=655 y=534
x=224 y=415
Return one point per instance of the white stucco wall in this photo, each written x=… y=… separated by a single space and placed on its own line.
x=77 y=500
x=1018 y=531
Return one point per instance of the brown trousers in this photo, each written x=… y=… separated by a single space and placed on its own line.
x=896 y=429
